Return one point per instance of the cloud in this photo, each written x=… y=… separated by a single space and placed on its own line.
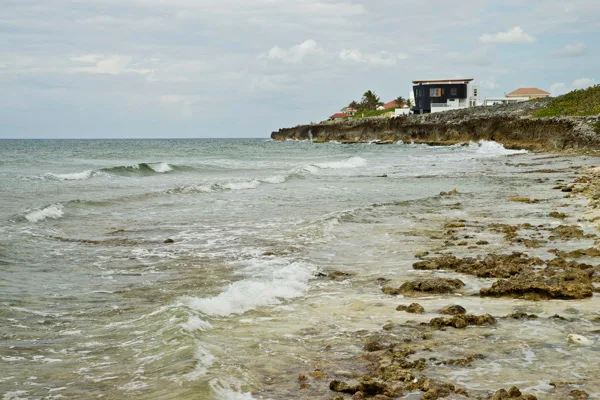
x=571 y=50
x=489 y=84
x=583 y=83
x=558 y=88
x=297 y=53
x=107 y=65
x=380 y=59
x=514 y=35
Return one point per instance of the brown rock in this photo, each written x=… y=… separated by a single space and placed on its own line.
x=453 y=310
x=414 y=308
x=462 y=321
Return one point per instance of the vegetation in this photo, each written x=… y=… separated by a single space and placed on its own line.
x=401 y=101
x=369 y=113
x=576 y=103
x=369 y=101
x=597 y=128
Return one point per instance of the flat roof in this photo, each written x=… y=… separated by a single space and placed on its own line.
x=443 y=81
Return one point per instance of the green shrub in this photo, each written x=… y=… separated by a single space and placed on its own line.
x=597 y=127
x=576 y=103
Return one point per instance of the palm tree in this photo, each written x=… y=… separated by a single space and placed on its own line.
x=354 y=104
x=401 y=101
x=409 y=103
x=370 y=101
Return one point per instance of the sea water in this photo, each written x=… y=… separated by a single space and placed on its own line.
x=95 y=304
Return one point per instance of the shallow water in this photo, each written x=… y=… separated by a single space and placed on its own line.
x=95 y=304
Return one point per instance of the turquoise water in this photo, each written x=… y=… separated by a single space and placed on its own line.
x=96 y=304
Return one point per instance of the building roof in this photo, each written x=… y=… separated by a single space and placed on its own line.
x=443 y=81
x=338 y=115
x=528 y=92
x=391 y=104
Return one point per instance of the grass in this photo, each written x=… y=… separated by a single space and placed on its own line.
x=576 y=103
x=370 y=113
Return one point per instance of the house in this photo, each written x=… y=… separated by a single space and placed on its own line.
x=490 y=101
x=339 y=115
x=530 y=93
x=349 y=110
x=444 y=94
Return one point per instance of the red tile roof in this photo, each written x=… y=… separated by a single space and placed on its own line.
x=528 y=92
x=338 y=115
x=391 y=104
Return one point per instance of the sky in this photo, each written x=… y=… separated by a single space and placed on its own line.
x=244 y=68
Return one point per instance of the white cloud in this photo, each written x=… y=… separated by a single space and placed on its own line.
x=381 y=59
x=582 y=83
x=558 y=88
x=107 y=65
x=512 y=36
x=297 y=53
x=571 y=50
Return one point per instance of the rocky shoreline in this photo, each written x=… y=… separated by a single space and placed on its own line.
x=511 y=125
x=404 y=361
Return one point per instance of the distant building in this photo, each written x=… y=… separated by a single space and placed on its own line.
x=443 y=95
x=338 y=115
x=490 y=101
x=529 y=93
x=391 y=105
x=349 y=110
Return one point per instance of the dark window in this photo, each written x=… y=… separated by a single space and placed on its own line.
x=453 y=92
x=435 y=92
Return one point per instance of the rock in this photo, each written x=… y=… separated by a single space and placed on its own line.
x=455 y=224
x=421 y=254
x=373 y=346
x=568 y=232
x=318 y=374
x=395 y=373
x=453 y=310
x=578 y=340
x=541 y=286
x=450 y=193
x=514 y=393
x=372 y=386
x=558 y=215
x=520 y=315
x=169 y=241
x=427 y=285
x=482 y=242
x=339 y=275
x=349 y=387
x=521 y=199
x=579 y=394
x=462 y=321
x=268 y=254
x=414 y=308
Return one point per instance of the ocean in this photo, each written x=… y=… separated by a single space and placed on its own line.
x=198 y=269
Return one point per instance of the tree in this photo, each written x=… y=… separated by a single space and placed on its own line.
x=369 y=101
x=354 y=104
x=409 y=103
x=401 y=101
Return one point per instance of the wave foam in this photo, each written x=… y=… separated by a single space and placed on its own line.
x=54 y=211
x=352 y=162
x=221 y=391
x=141 y=169
x=491 y=149
x=204 y=360
x=269 y=285
x=74 y=176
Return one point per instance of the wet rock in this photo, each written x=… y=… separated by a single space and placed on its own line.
x=558 y=215
x=414 y=308
x=569 y=232
x=349 y=387
x=453 y=310
x=566 y=285
x=521 y=199
x=421 y=254
x=268 y=254
x=450 y=193
x=395 y=373
x=558 y=317
x=463 y=243
x=318 y=374
x=169 y=241
x=579 y=394
x=373 y=346
x=427 y=285
x=455 y=224
x=482 y=242
x=302 y=378
x=432 y=389
x=372 y=386
x=492 y=266
x=513 y=393
x=590 y=252
x=339 y=275
x=462 y=321
x=520 y=315
x=464 y=362
x=388 y=327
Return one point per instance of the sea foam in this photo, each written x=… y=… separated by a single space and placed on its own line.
x=54 y=211
x=492 y=149
x=268 y=284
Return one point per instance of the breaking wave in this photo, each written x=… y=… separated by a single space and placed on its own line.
x=492 y=149
x=227 y=186
x=141 y=169
x=53 y=211
x=269 y=284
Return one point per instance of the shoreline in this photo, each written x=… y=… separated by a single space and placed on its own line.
x=511 y=125
x=411 y=359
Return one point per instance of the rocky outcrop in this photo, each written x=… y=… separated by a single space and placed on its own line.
x=512 y=127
